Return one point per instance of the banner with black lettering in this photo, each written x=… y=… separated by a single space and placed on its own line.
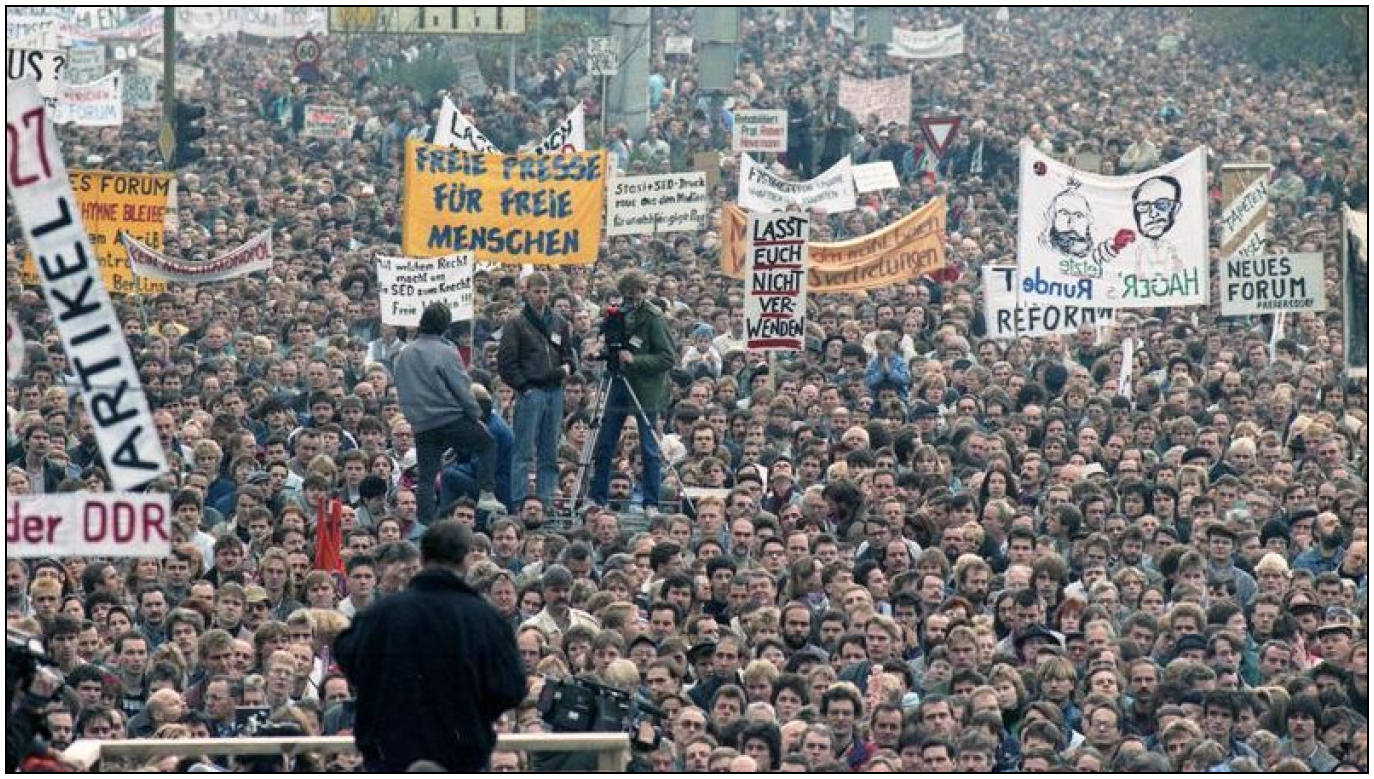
x=455 y=129
x=1137 y=241
x=1355 y=279
x=86 y=524
x=1273 y=284
x=92 y=334
x=255 y=254
x=1007 y=318
x=760 y=189
x=775 y=306
x=1245 y=209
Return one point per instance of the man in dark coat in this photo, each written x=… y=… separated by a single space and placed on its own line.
x=434 y=665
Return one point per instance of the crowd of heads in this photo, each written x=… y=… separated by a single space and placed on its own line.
x=1003 y=561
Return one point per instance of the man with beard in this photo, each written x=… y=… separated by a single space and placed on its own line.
x=1068 y=223
x=796 y=629
x=1329 y=551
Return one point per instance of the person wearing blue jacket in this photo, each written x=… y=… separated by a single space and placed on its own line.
x=888 y=368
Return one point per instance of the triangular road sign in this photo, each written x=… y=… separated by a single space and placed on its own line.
x=940 y=132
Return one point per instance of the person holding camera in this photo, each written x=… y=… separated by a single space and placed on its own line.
x=642 y=352
x=437 y=400
x=534 y=359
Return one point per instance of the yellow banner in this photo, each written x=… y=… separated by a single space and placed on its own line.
x=111 y=202
x=504 y=208
x=910 y=247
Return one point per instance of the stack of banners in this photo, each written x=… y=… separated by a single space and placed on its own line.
x=85 y=64
x=644 y=205
x=760 y=130
x=677 y=45
x=1137 y=241
x=504 y=208
x=1272 y=284
x=140 y=90
x=97 y=104
x=927 y=44
x=889 y=99
x=407 y=286
x=43 y=66
x=875 y=176
x=1245 y=193
x=775 y=302
x=760 y=189
x=1007 y=317
x=89 y=524
x=92 y=334
x=1355 y=277
x=330 y=122
x=904 y=250
x=254 y=255
x=134 y=204
x=454 y=129
x=201 y=22
x=842 y=18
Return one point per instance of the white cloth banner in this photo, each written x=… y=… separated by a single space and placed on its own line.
x=104 y=524
x=1006 y=318
x=775 y=306
x=760 y=189
x=330 y=122
x=642 y=205
x=888 y=98
x=255 y=254
x=569 y=135
x=1273 y=284
x=875 y=176
x=760 y=130
x=677 y=45
x=92 y=335
x=407 y=286
x=454 y=129
x=98 y=104
x=926 y=44
x=45 y=66
x=197 y=23
x=1137 y=241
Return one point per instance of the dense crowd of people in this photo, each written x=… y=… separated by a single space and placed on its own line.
x=910 y=548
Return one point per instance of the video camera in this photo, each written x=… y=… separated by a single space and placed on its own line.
x=615 y=334
x=575 y=705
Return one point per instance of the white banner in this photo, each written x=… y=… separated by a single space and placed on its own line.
x=98 y=104
x=677 y=45
x=775 y=305
x=603 y=58
x=875 y=176
x=842 y=18
x=330 y=122
x=1006 y=319
x=14 y=347
x=1355 y=290
x=1137 y=241
x=103 y=524
x=1273 y=284
x=926 y=44
x=140 y=91
x=45 y=66
x=408 y=285
x=85 y=64
x=888 y=98
x=760 y=130
x=643 y=205
x=569 y=135
x=197 y=23
x=760 y=189
x=454 y=129
x=255 y=254
x=92 y=335
x=33 y=32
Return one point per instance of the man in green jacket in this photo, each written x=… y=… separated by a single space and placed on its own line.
x=644 y=359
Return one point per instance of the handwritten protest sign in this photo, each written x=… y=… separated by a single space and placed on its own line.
x=334 y=123
x=407 y=286
x=97 y=104
x=760 y=189
x=200 y=22
x=642 y=205
x=140 y=91
x=677 y=45
x=45 y=66
x=887 y=98
x=108 y=524
x=454 y=129
x=510 y=209
x=1245 y=213
x=255 y=254
x=1006 y=318
x=603 y=57
x=570 y=135
x=910 y=247
x=760 y=130
x=775 y=306
x=1272 y=284
x=85 y=64
x=875 y=176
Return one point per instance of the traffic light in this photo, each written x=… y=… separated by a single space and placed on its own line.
x=188 y=131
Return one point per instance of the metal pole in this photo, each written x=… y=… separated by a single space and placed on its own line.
x=603 y=112
x=510 y=53
x=169 y=73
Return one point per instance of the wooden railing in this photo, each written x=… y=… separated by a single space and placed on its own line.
x=613 y=749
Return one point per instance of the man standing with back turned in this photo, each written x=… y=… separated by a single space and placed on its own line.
x=437 y=400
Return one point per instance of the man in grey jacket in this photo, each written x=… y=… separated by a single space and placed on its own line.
x=437 y=400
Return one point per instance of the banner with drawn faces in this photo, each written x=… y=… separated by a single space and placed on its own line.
x=1137 y=241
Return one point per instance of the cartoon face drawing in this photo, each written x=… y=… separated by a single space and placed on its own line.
x=1070 y=223
x=1156 y=202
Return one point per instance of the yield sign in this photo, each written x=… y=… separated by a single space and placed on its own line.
x=940 y=132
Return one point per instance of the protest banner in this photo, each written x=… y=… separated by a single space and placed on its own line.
x=760 y=130
x=842 y=18
x=1245 y=213
x=570 y=135
x=97 y=104
x=1355 y=279
x=910 y=247
x=1006 y=318
x=1137 y=241
x=511 y=209
x=24 y=31
x=644 y=205
x=14 y=347
x=887 y=98
x=85 y=64
x=253 y=255
x=140 y=91
x=92 y=334
x=760 y=189
x=875 y=176
x=708 y=162
x=44 y=66
x=775 y=302
x=1272 y=284
x=677 y=46
x=454 y=129
x=408 y=285
x=603 y=58
x=926 y=44
x=107 y=524
x=470 y=78
x=197 y=23
x=334 y=123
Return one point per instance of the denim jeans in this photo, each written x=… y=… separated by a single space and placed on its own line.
x=619 y=406
x=538 y=424
x=466 y=436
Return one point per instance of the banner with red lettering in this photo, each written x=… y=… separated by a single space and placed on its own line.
x=254 y=255
x=104 y=524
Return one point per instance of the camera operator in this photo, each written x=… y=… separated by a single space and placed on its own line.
x=31 y=682
x=643 y=356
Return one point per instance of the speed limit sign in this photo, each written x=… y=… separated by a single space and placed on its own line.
x=307 y=49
